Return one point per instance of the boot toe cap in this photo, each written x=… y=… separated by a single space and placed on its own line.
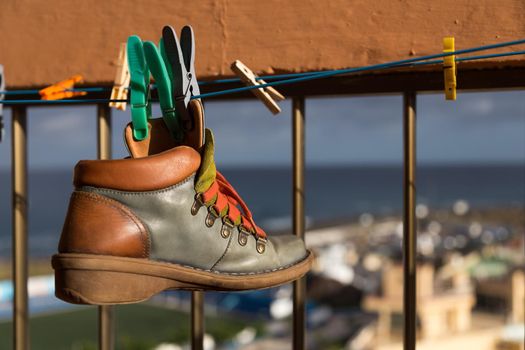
x=290 y=249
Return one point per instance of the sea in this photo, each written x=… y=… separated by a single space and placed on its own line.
x=332 y=194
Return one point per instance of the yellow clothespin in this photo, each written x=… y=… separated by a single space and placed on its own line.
x=266 y=94
x=60 y=91
x=449 y=68
x=122 y=77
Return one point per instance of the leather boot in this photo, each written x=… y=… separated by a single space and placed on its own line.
x=165 y=218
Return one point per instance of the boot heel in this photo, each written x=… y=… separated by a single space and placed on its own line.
x=107 y=287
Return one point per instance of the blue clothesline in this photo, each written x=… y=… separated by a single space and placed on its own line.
x=282 y=79
x=393 y=64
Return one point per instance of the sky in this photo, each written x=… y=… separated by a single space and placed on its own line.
x=487 y=127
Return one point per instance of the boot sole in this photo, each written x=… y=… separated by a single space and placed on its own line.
x=108 y=280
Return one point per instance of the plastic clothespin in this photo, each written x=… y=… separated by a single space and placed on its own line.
x=139 y=88
x=2 y=88
x=60 y=91
x=158 y=69
x=120 y=86
x=266 y=94
x=180 y=62
x=449 y=68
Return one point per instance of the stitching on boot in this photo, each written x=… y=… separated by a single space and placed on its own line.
x=144 y=234
x=141 y=193
x=237 y=273
x=223 y=254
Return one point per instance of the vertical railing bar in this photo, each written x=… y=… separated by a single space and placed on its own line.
x=197 y=320
x=106 y=327
x=197 y=314
x=103 y=132
x=299 y=286
x=409 y=220
x=19 y=216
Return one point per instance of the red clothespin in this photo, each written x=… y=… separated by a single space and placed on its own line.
x=266 y=94
x=60 y=91
x=122 y=78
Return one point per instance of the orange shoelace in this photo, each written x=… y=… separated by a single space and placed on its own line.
x=225 y=200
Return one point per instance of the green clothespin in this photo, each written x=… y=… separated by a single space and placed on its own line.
x=139 y=88
x=165 y=58
x=162 y=79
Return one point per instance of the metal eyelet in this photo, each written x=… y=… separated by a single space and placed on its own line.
x=226 y=229
x=211 y=217
x=261 y=245
x=243 y=236
x=197 y=204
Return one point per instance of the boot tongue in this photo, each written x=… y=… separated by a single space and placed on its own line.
x=207 y=171
x=160 y=139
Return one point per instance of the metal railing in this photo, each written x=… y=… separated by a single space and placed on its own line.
x=409 y=220
x=299 y=286
x=19 y=181
x=106 y=313
x=106 y=324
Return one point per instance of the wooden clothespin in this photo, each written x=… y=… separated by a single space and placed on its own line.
x=449 y=68
x=61 y=89
x=266 y=94
x=122 y=78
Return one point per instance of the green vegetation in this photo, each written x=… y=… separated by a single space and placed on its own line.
x=138 y=327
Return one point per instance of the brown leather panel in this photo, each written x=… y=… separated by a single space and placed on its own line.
x=158 y=140
x=99 y=225
x=195 y=137
x=144 y=174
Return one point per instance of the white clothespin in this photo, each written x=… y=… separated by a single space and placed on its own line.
x=122 y=77
x=266 y=94
x=2 y=88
